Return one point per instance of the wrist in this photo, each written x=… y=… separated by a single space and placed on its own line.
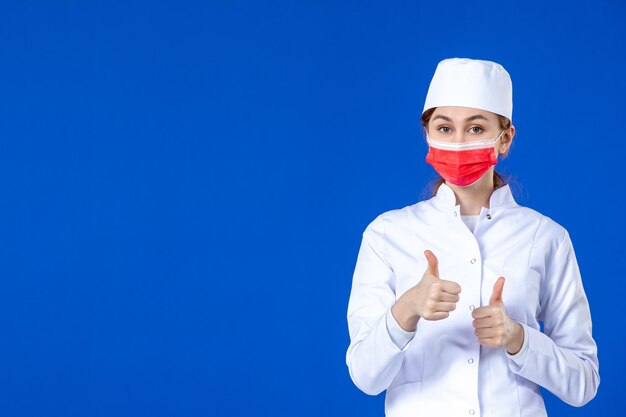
x=515 y=345
x=404 y=317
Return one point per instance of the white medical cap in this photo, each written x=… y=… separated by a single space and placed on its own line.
x=472 y=83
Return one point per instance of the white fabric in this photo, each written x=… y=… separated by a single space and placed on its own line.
x=399 y=336
x=476 y=83
x=461 y=146
x=470 y=221
x=442 y=370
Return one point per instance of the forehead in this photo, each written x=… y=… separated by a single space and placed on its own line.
x=460 y=114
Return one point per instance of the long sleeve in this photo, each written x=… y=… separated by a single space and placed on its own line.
x=399 y=336
x=373 y=358
x=563 y=359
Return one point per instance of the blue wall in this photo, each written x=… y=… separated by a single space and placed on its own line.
x=184 y=187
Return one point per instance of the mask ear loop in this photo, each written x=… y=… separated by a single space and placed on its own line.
x=499 y=137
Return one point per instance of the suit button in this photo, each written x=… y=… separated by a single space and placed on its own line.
x=471 y=411
x=455 y=214
x=470 y=360
x=488 y=216
x=473 y=260
x=472 y=307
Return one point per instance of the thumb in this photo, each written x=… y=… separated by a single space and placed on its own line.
x=433 y=263
x=496 y=296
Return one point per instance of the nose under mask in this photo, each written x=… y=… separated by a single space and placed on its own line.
x=464 y=163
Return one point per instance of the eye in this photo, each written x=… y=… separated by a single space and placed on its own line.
x=480 y=129
x=444 y=127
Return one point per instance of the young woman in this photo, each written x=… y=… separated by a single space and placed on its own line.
x=448 y=293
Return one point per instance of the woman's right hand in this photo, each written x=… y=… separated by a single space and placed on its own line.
x=432 y=298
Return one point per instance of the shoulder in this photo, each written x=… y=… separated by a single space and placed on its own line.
x=395 y=219
x=549 y=234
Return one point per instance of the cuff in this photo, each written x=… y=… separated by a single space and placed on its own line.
x=520 y=357
x=399 y=336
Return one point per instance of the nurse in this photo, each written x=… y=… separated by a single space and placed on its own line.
x=448 y=293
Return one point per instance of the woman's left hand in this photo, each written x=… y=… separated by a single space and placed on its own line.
x=492 y=325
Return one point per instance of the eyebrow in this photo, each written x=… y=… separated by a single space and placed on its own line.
x=469 y=119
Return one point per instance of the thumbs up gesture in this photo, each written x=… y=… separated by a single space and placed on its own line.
x=492 y=325
x=432 y=298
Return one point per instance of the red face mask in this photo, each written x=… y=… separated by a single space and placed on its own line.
x=461 y=163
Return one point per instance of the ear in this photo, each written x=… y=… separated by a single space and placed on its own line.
x=507 y=138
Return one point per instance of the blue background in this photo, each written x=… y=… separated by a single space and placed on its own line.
x=184 y=188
